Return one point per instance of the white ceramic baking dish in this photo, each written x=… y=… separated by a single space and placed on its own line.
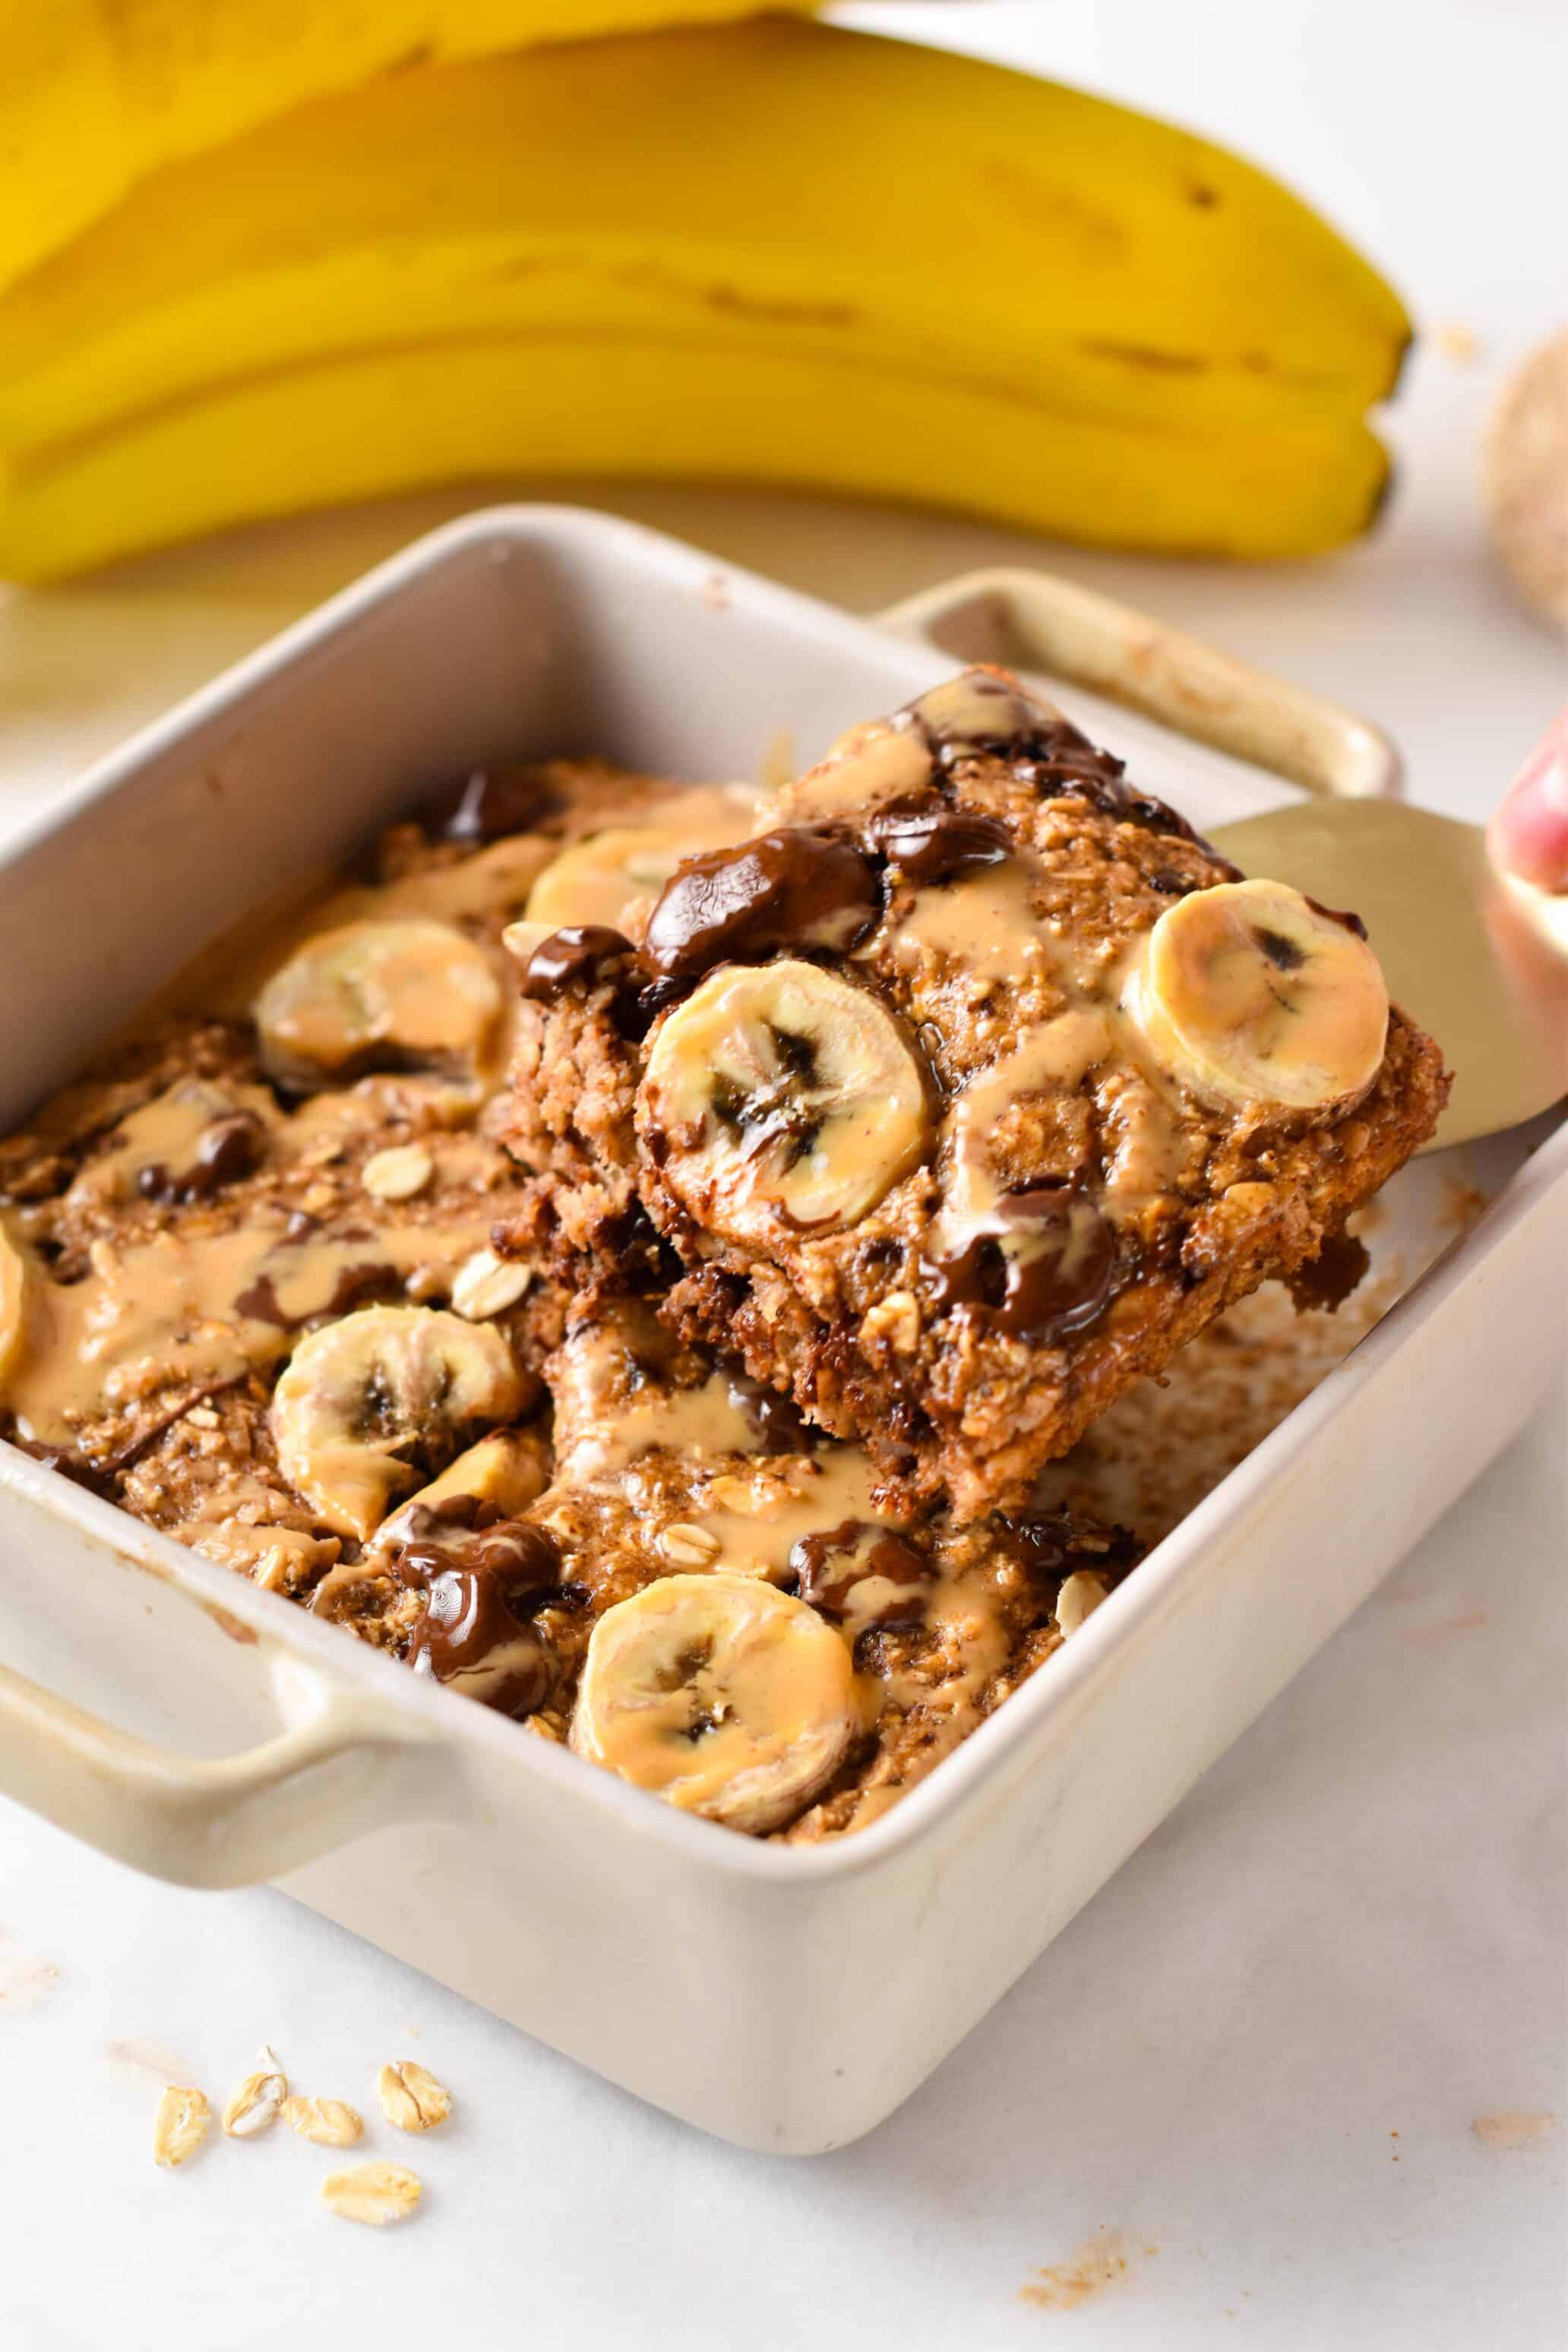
x=787 y=1999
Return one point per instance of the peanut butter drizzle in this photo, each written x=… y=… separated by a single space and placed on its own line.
x=877 y=762
x=698 y=1420
x=1150 y=1156
x=230 y=974
x=167 y=1314
x=758 y=1521
x=165 y=1133
x=1055 y=1055
x=984 y=922
x=976 y=707
x=756 y=1511
x=968 y=1631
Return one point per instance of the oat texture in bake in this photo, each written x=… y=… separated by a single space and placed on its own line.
x=961 y=1094
x=641 y=1259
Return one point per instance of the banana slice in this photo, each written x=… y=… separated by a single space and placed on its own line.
x=721 y=1694
x=1249 y=992
x=377 y=995
x=597 y=879
x=13 y=1302
x=504 y=1473
x=358 y=1398
x=778 y=1096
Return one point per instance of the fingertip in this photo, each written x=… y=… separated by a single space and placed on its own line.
x=1527 y=836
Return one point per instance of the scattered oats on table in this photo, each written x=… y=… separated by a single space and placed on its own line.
x=180 y=2126
x=376 y=2193
x=331 y=2122
x=259 y=2098
x=411 y=2097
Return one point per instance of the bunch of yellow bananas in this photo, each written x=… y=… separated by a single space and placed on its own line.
x=256 y=255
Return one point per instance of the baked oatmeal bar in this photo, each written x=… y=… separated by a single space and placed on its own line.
x=964 y=1095
x=264 y=1224
x=709 y=1601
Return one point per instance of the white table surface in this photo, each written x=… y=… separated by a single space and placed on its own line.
x=1251 y=2071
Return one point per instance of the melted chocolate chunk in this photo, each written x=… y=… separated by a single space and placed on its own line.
x=831 y=1564
x=584 y=956
x=488 y=804
x=574 y=960
x=261 y=1304
x=660 y=992
x=1063 y=760
x=1326 y=1281
x=781 y=1426
x=1047 y=1271
x=988 y=712
x=977 y=712
x=363 y=1285
x=1095 y=776
x=356 y=1285
x=74 y=1467
x=1052 y=1544
x=802 y=886
x=227 y=1149
x=931 y=842
x=478 y=1584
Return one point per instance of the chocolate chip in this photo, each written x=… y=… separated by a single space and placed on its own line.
x=356 y=1285
x=489 y=804
x=781 y=1426
x=1052 y=1544
x=932 y=843
x=573 y=959
x=1060 y=762
x=74 y=1467
x=359 y=1286
x=660 y=993
x=227 y=1149
x=831 y=1564
x=1047 y=1270
x=582 y=956
x=1326 y=1281
x=261 y=1304
x=478 y=1585
x=980 y=711
x=802 y=886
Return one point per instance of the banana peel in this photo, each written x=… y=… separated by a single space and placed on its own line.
x=363 y=426
x=95 y=95
x=773 y=251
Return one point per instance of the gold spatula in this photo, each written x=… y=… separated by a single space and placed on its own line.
x=1479 y=963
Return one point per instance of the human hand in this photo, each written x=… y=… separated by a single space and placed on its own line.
x=1527 y=837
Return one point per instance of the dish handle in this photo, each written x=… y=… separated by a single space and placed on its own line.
x=347 y=1763
x=1030 y=620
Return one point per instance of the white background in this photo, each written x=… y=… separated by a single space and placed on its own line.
x=1347 y=1945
